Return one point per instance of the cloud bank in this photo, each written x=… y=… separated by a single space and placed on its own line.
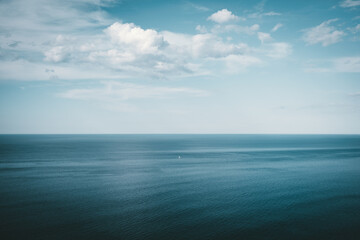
x=79 y=40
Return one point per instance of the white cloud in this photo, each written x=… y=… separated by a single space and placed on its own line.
x=263 y=37
x=355 y=29
x=350 y=3
x=323 y=34
x=250 y=30
x=276 y=27
x=127 y=48
x=201 y=29
x=144 y=41
x=279 y=50
x=198 y=46
x=177 y=41
x=223 y=16
x=56 y=54
x=130 y=49
x=209 y=45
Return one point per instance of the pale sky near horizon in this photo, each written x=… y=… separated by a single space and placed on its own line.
x=131 y=66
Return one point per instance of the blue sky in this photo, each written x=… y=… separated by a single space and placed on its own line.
x=131 y=66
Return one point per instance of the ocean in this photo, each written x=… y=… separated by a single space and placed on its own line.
x=179 y=187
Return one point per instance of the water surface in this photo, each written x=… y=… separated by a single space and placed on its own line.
x=180 y=186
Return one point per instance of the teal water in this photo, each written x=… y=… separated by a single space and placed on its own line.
x=180 y=186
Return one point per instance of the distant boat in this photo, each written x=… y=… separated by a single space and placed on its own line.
x=179 y=157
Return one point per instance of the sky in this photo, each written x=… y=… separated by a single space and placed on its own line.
x=163 y=66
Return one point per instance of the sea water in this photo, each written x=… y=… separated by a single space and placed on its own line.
x=180 y=187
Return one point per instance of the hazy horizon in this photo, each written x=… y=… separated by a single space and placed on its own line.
x=173 y=133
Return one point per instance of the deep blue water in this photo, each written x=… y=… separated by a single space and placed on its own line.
x=221 y=187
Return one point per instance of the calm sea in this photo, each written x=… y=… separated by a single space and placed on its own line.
x=179 y=187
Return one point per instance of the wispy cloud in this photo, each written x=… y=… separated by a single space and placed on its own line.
x=260 y=11
x=209 y=45
x=52 y=16
x=270 y=48
x=239 y=63
x=350 y=3
x=279 y=50
x=325 y=34
x=198 y=7
x=271 y=14
x=250 y=30
x=355 y=29
x=355 y=94
x=276 y=27
x=263 y=37
x=340 y=65
x=119 y=91
x=347 y=64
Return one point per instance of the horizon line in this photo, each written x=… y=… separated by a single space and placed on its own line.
x=179 y=133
